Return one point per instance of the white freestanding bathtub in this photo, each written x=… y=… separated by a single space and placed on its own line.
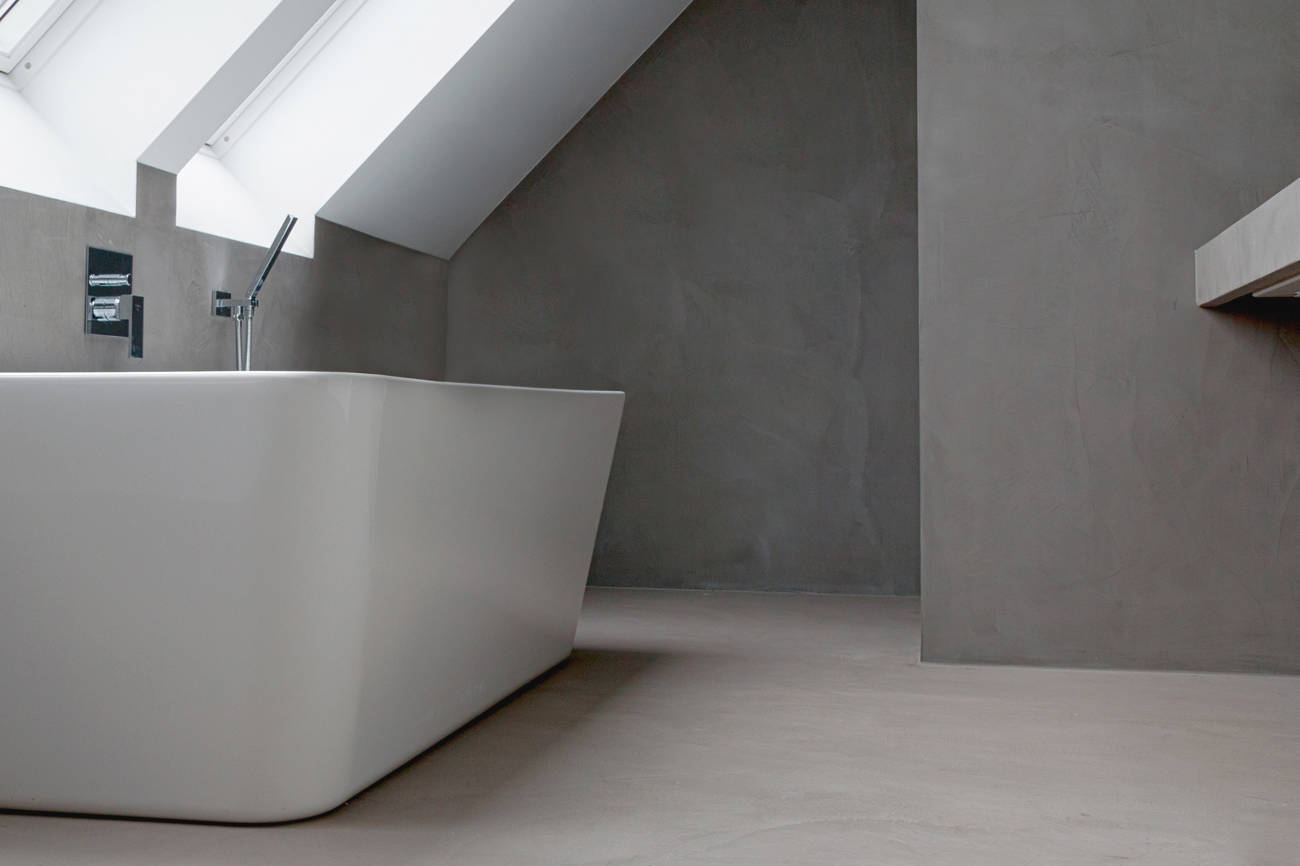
x=246 y=596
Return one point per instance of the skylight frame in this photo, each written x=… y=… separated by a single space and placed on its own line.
x=333 y=20
x=35 y=32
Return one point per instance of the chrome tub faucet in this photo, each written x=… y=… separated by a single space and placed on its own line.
x=242 y=309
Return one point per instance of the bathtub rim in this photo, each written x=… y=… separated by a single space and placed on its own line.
x=279 y=375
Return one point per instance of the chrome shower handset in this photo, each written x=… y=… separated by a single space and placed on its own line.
x=241 y=309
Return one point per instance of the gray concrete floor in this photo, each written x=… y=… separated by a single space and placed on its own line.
x=721 y=728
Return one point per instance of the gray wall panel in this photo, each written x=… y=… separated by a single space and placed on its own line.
x=1109 y=473
x=730 y=237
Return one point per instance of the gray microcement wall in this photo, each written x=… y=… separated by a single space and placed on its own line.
x=360 y=305
x=730 y=237
x=1109 y=474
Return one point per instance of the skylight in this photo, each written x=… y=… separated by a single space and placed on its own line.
x=405 y=119
x=347 y=84
x=22 y=23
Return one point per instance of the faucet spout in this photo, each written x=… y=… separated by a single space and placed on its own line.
x=241 y=309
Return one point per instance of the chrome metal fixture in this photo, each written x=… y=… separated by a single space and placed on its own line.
x=109 y=278
x=242 y=309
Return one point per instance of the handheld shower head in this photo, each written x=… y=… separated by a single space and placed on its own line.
x=242 y=309
x=271 y=255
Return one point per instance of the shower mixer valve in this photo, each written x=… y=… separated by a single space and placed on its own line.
x=109 y=282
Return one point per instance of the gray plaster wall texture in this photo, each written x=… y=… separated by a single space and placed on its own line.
x=1109 y=473
x=729 y=236
x=361 y=305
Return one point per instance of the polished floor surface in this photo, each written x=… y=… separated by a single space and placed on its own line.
x=719 y=728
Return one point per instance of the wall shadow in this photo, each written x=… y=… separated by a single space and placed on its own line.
x=1264 y=314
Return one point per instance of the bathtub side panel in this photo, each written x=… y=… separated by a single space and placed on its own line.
x=484 y=518
x=180 y=567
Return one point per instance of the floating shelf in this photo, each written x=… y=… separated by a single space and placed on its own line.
x=1258 y=255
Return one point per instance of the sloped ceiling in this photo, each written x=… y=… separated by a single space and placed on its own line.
x=451 y=143
x=521 y=87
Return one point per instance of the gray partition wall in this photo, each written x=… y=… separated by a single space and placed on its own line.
x=1109 y=474
x=730 y=237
